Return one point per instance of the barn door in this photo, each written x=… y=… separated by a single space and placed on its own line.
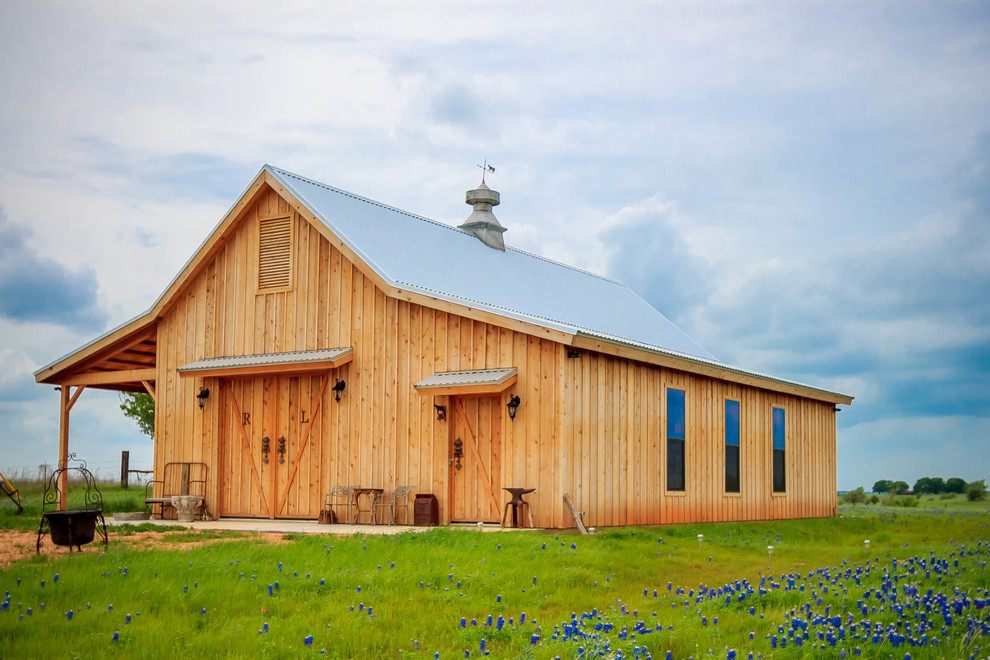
x=272 y=449
x=476 y=446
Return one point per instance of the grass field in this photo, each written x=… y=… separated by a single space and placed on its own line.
x=633 y=592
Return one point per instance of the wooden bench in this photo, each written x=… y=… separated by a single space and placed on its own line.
x=178 y=478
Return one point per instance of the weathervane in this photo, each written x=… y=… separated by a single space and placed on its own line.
x=485 y=169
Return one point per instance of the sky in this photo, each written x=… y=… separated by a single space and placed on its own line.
x=803 y=188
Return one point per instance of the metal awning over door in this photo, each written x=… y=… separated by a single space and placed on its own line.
x=294 y=362
x=463 y=383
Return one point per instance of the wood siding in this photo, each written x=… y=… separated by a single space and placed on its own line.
x=591 y=426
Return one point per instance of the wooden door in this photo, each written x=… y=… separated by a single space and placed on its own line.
x=272 y=447
x=475 y=487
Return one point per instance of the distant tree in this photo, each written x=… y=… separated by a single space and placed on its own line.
x=929 y=486
x=955 y=485
x=882 y=486
x=976 y=491
x=141 y=408
x=898 y=486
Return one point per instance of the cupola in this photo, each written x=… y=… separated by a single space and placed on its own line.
x=482 y=222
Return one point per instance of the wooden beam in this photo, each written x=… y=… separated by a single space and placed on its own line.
x=578 y=516
x=75 y=397
x=462 y=390
x=111 y=377
x=712 y=371
x=151 y=390
x=63 y=445
x=473 y=446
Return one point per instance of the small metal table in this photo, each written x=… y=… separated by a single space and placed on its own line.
x=373 y=494
x=518 y=503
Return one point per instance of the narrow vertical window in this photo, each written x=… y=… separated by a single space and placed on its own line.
x=731 y=446
x=779 y=433
x=675 y=439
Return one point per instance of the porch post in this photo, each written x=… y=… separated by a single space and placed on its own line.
x=65 y=405
x=63 y=446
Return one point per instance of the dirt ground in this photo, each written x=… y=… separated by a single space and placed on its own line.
x=15 y=546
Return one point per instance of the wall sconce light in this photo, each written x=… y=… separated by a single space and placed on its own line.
x=513 y=405
x=441 y=412
x=338 y=389
x=201 y=398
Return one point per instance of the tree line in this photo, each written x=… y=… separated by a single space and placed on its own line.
x=923 y=486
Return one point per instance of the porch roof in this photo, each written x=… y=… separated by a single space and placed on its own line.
x=250 y=365
x=476 y=381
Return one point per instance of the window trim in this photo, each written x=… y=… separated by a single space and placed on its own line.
x=667 y=439
x=773 y=489
x=725 y=445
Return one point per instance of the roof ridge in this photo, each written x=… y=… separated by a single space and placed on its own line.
x=389 y=207
x=360 y=198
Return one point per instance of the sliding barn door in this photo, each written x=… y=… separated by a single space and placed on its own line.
x=476 y=445
x=272 y=447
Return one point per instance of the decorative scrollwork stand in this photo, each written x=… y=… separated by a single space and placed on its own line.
x=74 y=527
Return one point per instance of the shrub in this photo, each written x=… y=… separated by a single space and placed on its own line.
x=909 y=502
x=976 y=491
x=855 y=496
x=947 y=496
x=874 y=499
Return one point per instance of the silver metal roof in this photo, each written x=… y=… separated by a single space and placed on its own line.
x=467 y=378
x=414 y=253
x=266 y=360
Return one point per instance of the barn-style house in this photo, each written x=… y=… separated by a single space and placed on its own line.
x=318 y=338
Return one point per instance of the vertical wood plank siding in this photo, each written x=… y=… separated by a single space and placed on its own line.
x=592 y=426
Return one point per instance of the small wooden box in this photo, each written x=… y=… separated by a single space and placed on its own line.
x=426 y=511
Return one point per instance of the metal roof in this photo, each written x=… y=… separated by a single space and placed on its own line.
x=267 y=360
x=492 y=377
x=414 y=253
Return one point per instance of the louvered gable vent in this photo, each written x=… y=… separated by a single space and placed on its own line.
x=274 y=253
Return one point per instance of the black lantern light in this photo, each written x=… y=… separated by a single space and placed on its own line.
x=513 y=405
x=338 y=389
x=441 y=412
x=201 y=398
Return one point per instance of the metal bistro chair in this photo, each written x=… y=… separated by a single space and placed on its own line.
x=340 y=499
x=397 y=498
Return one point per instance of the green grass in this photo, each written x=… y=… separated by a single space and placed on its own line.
x=442 y=575
x=949 y=502
x=114 y=499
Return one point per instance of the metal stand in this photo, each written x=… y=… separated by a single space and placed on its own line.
x=74 y=527
x=517 y=503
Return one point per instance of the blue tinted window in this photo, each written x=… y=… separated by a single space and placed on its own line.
x=778 y=428
x=675 y=414
x=732 y=423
